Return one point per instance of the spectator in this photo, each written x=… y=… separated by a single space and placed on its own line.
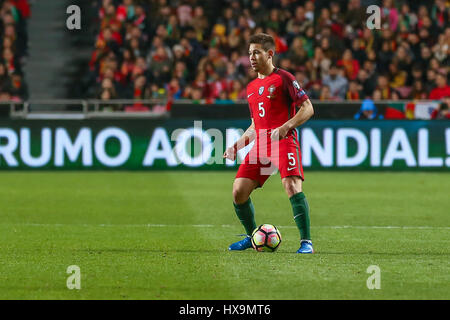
x=5 y=96
x=416 y=74
x=403 y=57
x=200 y=23
x=430 y=80
x=325 y=94
x=128 y=63
x=126 y=11
x=107 y=96
x=274 y=21
x=298 y=24
x=440 y=14
x=18 y=88
x=434 y=64
x=351 y=66
x=368 y=111
x=139 y=89
x=363 y=80
x=329 y=52
x=324 y=19
x=407 y=18
x=173 y=29
x=418 y=91
x=237 y=92
x=442 y=88
x=398 y=77
x=173 y=89
x=415 y=46
x=197 y=96
x=319 y=66
x=389 y=15
x=155 y=92
x=425 y=56
x=384 y=87
x=385 y=56
x=10 y=61
x=308 y=41
x=184 y=13
x=223 y=98
x=297 y=54
x=336 y=83
x=355 y=15
x=358 y=51
x=258 y=12
x=309 y=8
x=337 y=19
x=441 y=49
x=314 y=90
x=302 y=79
x=280 y=44
x=216 y=60
x=216 y=85
x=108 y=85
x=354 y=91
x=160 y=66
x=141 y=19
x=5 y=80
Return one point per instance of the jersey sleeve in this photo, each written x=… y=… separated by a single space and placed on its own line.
x=293 y=89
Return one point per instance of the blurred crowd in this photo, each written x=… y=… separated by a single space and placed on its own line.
x=14 y=49
x=180 y=49
x=197 y=49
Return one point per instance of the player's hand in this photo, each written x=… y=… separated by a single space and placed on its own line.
x=279 y=133
x=230 y=153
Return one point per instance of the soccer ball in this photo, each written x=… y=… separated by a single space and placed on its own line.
x=266 y=238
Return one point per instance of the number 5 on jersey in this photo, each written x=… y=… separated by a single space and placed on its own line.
x=262 y=111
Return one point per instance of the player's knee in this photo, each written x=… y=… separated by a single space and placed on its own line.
x=292 y=186
x=239 y=195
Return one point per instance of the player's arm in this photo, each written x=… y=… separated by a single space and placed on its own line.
x=305 y=112
x=248 y=136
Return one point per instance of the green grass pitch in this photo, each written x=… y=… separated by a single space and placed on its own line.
x=164 y=235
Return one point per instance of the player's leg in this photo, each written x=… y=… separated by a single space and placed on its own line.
x=243 y=206
x=291 y=172
x=248 y=178
x=300 y=208
x=293 y=187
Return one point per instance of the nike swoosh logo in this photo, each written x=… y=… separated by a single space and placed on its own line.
x=289 y=169
x=250 y=95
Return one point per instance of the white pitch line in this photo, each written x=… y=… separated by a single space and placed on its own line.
x=222 y=226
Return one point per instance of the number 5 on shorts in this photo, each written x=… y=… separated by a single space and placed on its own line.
x=291 y=159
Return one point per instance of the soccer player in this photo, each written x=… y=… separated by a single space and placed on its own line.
x=273 y=98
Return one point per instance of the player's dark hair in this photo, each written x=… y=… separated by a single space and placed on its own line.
x=266 y=41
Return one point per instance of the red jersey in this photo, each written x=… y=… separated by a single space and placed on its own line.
x=273 y=100
x=439 y=93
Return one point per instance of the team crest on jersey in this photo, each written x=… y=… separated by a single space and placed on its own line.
x=271 y=90
x=261 y=90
